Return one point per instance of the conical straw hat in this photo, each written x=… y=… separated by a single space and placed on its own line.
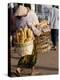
x=21 y=11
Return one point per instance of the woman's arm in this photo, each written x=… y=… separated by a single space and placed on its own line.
x=36 y=31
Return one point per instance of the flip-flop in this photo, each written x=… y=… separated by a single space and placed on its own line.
x=18 y=72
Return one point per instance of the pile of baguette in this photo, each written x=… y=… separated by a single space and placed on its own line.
x=43 y=25
x=24 y=35
x=43 y=43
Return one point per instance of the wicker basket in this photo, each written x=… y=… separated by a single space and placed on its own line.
x=43 y=43
x=25 y=48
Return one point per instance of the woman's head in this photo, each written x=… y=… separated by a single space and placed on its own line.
x=21 y=11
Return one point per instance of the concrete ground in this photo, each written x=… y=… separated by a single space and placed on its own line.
x=46 y=64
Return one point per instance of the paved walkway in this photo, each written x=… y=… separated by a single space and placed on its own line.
x=46 y=63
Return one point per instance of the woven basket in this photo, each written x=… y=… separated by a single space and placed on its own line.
x=43 y=43
x=25 y=48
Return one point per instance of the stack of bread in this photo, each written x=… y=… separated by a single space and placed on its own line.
x=43 y=42
x=24 y=35
x=24 y=41
x=43 y=25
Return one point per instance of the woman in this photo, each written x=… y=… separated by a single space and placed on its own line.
x=25 y=17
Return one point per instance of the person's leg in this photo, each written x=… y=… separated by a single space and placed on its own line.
x=19 y=67
x=54 y=37
x=57 y=34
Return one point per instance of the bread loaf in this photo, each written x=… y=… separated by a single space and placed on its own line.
x=24 y=35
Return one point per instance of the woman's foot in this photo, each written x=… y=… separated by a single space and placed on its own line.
x=18 y=71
